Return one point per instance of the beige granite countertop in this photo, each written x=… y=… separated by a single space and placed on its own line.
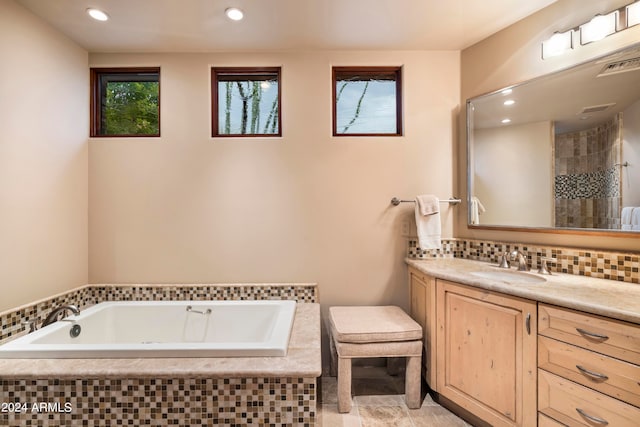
x=618 y=300
x=302 y=360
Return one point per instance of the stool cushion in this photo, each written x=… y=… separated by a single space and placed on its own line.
x=379 y=349
x=370 y=324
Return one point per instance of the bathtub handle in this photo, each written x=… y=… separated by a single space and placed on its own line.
x=190 y=309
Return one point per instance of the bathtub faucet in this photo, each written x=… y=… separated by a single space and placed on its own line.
x=53 y=316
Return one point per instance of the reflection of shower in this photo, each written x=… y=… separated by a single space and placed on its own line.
x=588 y=176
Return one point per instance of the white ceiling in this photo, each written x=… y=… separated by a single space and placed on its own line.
x=200 y=25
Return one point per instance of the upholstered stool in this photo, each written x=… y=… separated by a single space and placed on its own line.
x=375 y=331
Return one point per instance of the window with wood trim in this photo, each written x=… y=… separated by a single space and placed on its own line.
x=125 y=102
x=367 y=101
x=246 y=102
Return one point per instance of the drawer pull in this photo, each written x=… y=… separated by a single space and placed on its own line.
x=592 y=418
x=528 y=323
x=593 y=375
x=592 y=335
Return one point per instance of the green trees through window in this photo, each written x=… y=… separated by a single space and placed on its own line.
x=125 y=102
x=246 y=101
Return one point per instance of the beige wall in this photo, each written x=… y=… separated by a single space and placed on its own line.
x=305 y=207
x=513 y=55
x=43 y=159
x=515 y=160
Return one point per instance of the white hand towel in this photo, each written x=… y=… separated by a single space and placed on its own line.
x=428 y=204
x=476 y=209
x=625 y=216
x=635 y=217
x=428 y=226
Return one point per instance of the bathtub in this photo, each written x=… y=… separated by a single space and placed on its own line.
x=158 y=329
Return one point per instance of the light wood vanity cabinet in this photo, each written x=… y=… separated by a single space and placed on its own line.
x=486 y=353
x=589 y=368
x=423 y=311
x=514 y=362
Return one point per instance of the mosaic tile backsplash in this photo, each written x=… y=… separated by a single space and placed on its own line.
x=594 y=263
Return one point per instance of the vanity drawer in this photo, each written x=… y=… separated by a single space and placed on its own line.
x=613 y=377
x=544 y=421
x=607 y=336
x=576 y=405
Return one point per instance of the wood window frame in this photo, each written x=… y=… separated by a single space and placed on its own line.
x=243 y=71
x=397 y=71
x=96 y=93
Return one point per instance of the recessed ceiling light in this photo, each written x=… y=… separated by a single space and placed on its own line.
x=234 y=13
x=505 y=121
x=97 y=14
x=509 y=102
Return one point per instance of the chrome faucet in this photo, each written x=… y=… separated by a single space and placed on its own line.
x=53 y=316
x=504 y=260
x=522 y=260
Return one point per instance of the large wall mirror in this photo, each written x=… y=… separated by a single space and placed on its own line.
x=559 y=152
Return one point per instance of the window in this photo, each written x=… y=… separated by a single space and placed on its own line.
x=367 y=101
x=125 y=102
x=246 y=102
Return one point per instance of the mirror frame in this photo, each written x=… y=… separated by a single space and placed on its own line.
x=525 y=229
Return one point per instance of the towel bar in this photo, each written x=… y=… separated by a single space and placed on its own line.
x=453 y=201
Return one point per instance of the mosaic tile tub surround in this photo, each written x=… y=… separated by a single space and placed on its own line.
x=212 y=395
x=620 y=266
x=161 y=402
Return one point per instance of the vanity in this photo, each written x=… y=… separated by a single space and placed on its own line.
x=524 y=349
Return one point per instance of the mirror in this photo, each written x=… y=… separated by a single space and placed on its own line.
x=559 y=152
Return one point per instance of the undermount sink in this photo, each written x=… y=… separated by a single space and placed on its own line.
x=509 y=276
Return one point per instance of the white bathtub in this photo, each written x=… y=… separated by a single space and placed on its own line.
x=133 y=329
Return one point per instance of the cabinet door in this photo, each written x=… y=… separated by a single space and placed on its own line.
x=423 y=311
x=487 y=353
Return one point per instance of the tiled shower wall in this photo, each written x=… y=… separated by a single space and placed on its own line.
x=587 y=177
x=620 y=266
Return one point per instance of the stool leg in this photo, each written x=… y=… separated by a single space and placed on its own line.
x=344 y=385
x=333 y=359
x=412 y=382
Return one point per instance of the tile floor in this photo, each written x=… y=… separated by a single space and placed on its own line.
x=378 y=401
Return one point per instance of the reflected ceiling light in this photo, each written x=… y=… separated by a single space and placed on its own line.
x=633 y=14
x=505 y=121
x=234 y=13
x=558 y=44
x=506 y=91
x=509 y=102
x=97 y=14
x=265 y=84
x=598 y=28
